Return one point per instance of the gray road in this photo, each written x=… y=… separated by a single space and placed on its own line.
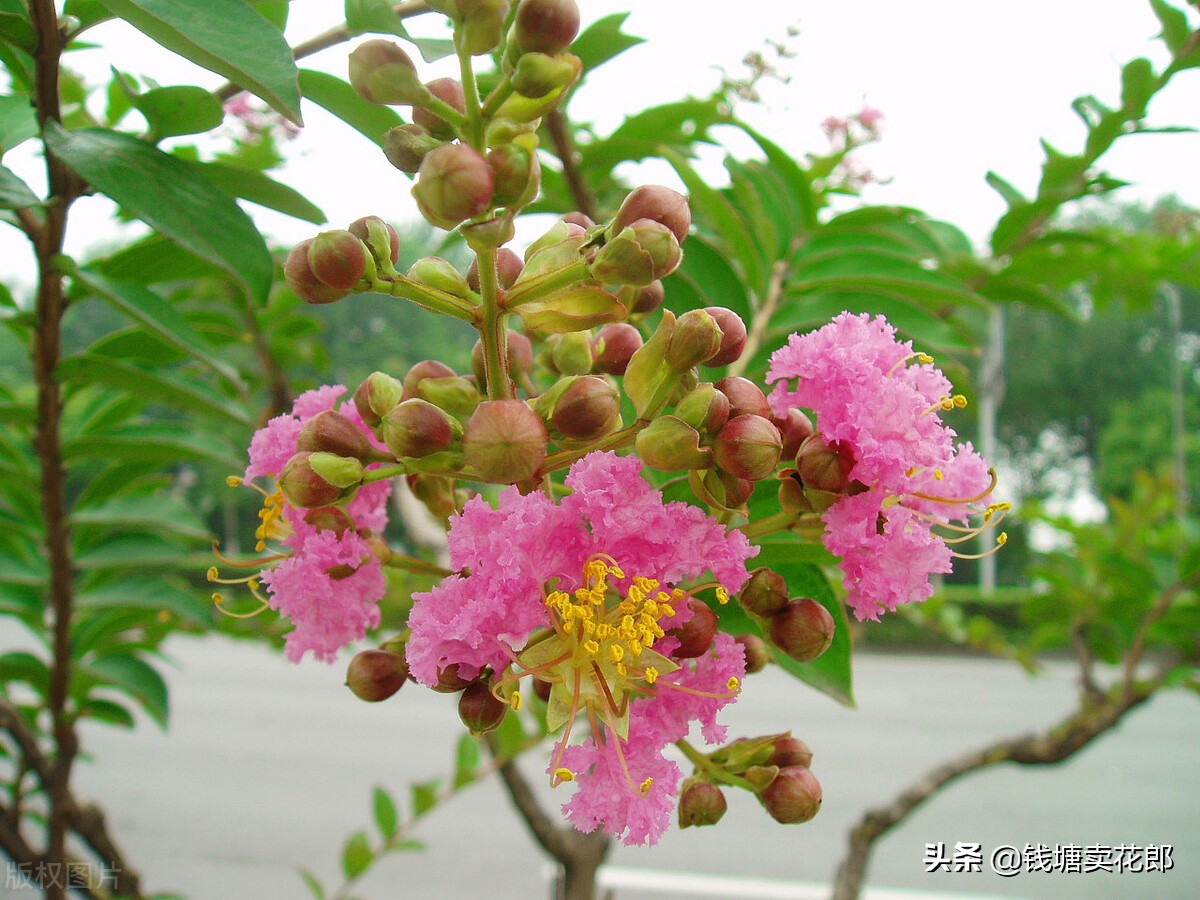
x=268 y=766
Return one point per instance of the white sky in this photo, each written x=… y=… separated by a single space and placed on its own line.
x=965 y=86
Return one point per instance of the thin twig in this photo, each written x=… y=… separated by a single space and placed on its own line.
x=762 y=317
x=559 y=128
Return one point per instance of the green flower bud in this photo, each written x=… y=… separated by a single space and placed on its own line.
x=823 y=466
x=641 y=301
x=765 y=594
x=505 y=441
x=331 y=432
x=537 y=74
x=696 y=339
x=669 y=444
x=304 y=487
x=435 y=272
x=704 y=408
x=375 y=675
x=479 y=710
x=436 y=492
x=733 y=336
x=383 y=73
x=340 y=471
x=572 y=353
x=758 y=656
x=803 y=629
x=377 y=396
x=794 y=796
x=303 y=281
x=502 y=131
x=417 y=428
x=745 y=397
x=381 y=239
x=426 y=368
x=518 y=174
x=614 y=347
x=697 y=633
x=406 y=147
x=588 y=409
x=748 y=447
x=448 y=91
x=491 y=234
x=482 y=24
x=658 y=203
x=458 y=395
x=454 y=183
x=639 y=254
x=546 y=26
x=700 y=803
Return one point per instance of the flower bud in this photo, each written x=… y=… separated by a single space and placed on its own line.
x=748 y=447
x=578 y=218
x=537 y=74
x=638 y=254
x=794 y=796
x=458 y=395
x=803 y=629
x=436 y=492
x=546 y=26
x=823 y=466
x=758 y=655
x=789 y=751
x=697 y=633
x=435 y=272
x=454 y=183
x=669 y=444
x=733 y=336
x=449 y=91
x=642 y=301
x=406 y=147
x=303 y=487
x=331 y=432
x=340 y=471
x=426 y=368
x=520 y=357
x=700 y=803
x=381 y=238
x=330 y=518
x=697 y=337
x=721 y=489
x=339 y=260
x=792 y=497
x=508 y=270
x=303 y=281
x=614 y=346
x=745 y=397
x=661 y=204
x=383 y=73
x=417 y=428
x=571 y=354
x=481 y=24
x=479 y=710
x=795 y=430
x=517 y=173
x=378 y=394
x=588 y=409
x=704 y=408
x=490 y=234
x=505 y=441
x=449 y=681
x=765 y=594
x=375 y=675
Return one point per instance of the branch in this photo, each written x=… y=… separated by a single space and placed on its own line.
x=1070 y=736
x=559 y=127
x=1160 y=608
x=762 y=316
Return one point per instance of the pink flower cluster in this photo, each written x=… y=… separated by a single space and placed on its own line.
x=512 y=555
x=874 y=394
x=329 y=585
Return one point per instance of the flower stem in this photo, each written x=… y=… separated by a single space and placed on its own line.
x=711 y=769
x=493 y=331
x=545 y=285
x=614 y=441
x=427 y=298
x=780 y=521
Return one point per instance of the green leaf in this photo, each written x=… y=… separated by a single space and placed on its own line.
x=15 y=26
x=22 y=666
x=182 y=109
x=169 y=196
x=134 y=677
x=20 y=67
x=339 y=98
x=799 y=184
x=274 y=11
x=1175 y=28
x=314 y=885
x=159 y=317
x=153 y=260
x=224 y=36
x=1138 y=84
x=357 y=855
x=260 y=188
x=88 y=12
x=132 y=551
x=424 y=797
x=373 y=17
x=466 y=760
x=603 y=40
x=15 y=193
x=158 y=512
x=18 y=122
x=21 y=600
x=107 y=711
x=158 y=443
x=709 y=279
x=386 y=816
x=1005 y=189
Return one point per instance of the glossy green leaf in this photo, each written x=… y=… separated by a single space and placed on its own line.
x=159 y=512
x=260 y=188
x=1138 y=84
x=20 y=66
x=274 y=11
x=338 y=97
x=131 y=551
x=357 y=855
x=708 y=280
x=224 y=36
x=386 y=816
x=603 y=40
x=154 y=594
x=373 y=17
x=106 y=711
x=803 y=201
x=88 y=12
x=154 y=260
x=135 y=677
x=171 y=197
x=159 y=317
x=15 y=193
x=156 y=443
x=21 y=600
x=15 y=26
x=180 y=109
x=18 y=122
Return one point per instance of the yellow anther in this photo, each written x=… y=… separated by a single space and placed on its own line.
x=924 y=358
x=591 y=647
x=564 y=774
x=218 y=598
x=617 y=652
x=213 y=573
x=627 y=622
x=234 y=481
x=959 y=400
x=515 y=700
x=722 y=595
x=651 y=675
x=621 y=670
x=647 y=638
x=1002 y=539
x=733 y=684
x=667 y=610
x=939 y=474
x=677 y=593
x=616 y=571
x=646 y=785
x=260 y=546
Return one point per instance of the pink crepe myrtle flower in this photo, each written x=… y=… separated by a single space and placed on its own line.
x=321 y=573
x=581 y=594
x=870 y=117
x=875 y=395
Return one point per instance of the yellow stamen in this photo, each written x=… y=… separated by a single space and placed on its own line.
x=733 y=684
x=722 y=595
x=234 y=481
x=591 y=647
x=564 y=774
x=515 y=700
x=651 y=675
x=645 y=786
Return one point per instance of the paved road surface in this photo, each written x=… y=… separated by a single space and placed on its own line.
x=268 y=766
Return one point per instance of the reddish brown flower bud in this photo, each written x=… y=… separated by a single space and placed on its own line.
x=406 y=147
x=748 y=447
x=745 y=397
x=643 y=300
x=588 y=409
x=303 y=487
x=758 y=655
x=733 y=336
x=303 y=281
x=436 y=492
x=508 y=270
x=824 y=466
x=517 y=174
x=330 y=518
x=578 y=218
x=520 y=358
x=546 y=26
x=426 y=368
x=614 y=346
x=479 y=710
x=803 y=629
x=696 y=339
x=449 y=91
x=375 y=675
x=376 y=396
x=700 y=803
x=704 y=408
x=339 y=259
x=765 y=594
x=331 y=432
x=661 y=204
x=790 y=751
x=505 y=441
x=638 y=254
x=417 y=428
x=382 y=239
x=795 y=430
x=383 y=73
x=794 y=796
x=454 y=183
x=697 y=633
x=449 y=681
